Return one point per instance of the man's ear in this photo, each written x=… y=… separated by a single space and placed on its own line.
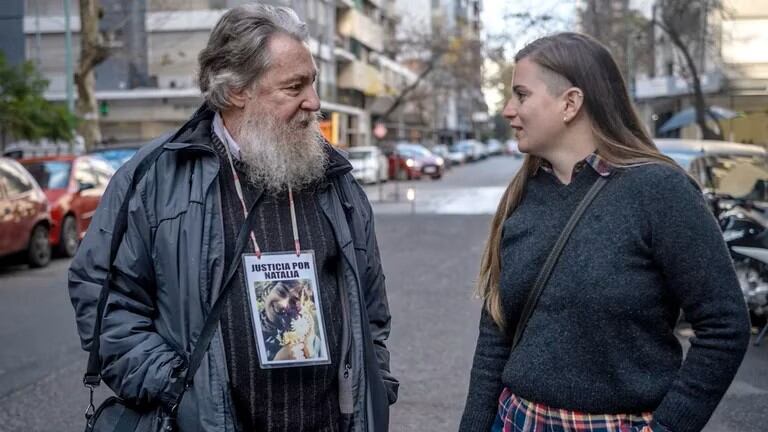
x=573 y=99
x=239 y=97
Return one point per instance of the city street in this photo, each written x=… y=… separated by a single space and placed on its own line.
x=430 y=251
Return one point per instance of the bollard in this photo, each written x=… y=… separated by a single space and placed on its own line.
x=411 y=195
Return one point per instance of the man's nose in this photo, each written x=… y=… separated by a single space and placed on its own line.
x=311 y=101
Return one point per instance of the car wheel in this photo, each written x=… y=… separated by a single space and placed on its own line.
x=68 y=240
x=437 y=177
x=39 y=251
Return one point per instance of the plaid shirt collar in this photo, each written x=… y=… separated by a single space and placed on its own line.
x=600 y=165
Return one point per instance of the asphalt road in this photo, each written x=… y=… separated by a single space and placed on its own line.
x=430 y=258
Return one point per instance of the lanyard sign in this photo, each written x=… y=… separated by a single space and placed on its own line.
x=285 y=305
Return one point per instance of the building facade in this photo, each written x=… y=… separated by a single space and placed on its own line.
x=733 y=68
x=148 y=85
x=453 y=99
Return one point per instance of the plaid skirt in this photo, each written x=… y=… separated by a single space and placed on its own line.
x=519 y=415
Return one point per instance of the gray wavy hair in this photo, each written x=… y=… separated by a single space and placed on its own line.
x=237 y=53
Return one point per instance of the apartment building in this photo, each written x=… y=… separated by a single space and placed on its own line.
x=148 y=84
x=733 y=68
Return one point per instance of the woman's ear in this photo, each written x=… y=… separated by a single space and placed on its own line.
x=574 y=99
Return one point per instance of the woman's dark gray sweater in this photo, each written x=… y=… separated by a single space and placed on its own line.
x=601 y=339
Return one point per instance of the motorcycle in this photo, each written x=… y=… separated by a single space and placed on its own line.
x=745 y=231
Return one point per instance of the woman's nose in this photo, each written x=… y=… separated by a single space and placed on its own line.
x=510 y=111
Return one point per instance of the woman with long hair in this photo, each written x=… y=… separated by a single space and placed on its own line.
x=597 y=350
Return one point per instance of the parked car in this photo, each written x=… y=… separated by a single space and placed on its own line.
x=450 y=157
x=24 y=218
x=411 y=161
x=511 y=149
x=402 y=165
x=369 y=165
x=494 y=147
x=472 y=149
x=687 y=152
x=73 y=185
x=116 y=156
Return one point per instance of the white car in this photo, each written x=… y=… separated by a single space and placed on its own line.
x=472 y=149
x=452 y=158
x=512 y=149
x=369 y=165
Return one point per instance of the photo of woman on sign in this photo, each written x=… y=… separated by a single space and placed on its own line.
x=289 y=322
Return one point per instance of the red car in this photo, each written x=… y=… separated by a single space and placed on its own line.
x=24 y=218
x=411 y=161
x=403 y=167
x=73 y=185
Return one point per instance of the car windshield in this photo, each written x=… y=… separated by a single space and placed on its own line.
x=360 y=154
x=414 y=150
x=115 y=157
x=740 y=176
x=683 y=159
x=50 y=174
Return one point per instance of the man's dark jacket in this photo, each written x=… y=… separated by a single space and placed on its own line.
x=169 y=271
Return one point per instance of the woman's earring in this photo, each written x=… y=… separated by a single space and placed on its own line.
x=565 y=119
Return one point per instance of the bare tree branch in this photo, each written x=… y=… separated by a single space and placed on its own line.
x=682 y=22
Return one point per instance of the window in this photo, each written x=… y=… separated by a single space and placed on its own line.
x=102 y=177
x=50 y=174
x=102 y=171
x=16 y=180
x=84 y=174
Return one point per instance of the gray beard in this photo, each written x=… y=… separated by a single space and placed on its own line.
x=279 y=155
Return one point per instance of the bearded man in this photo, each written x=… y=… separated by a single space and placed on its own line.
x=251 y=159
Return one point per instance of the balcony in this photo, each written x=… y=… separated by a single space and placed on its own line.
x=362 y=77
x=354 y=24
x=666 y=86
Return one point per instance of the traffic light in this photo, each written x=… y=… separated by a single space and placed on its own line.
x=103 y=108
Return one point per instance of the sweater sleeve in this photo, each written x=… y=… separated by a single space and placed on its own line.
x=485 y=384
x=688 y=246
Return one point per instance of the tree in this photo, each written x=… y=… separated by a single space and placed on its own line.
x=93 y=50
x=500 y=79
x=443 y=59
x=24 y=113
x=686 y=24
x=499 y=49
x=624 y=31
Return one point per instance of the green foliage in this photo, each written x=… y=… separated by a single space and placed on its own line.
x=24 y=113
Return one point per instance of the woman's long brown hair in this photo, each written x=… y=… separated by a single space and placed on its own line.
x=622 y=139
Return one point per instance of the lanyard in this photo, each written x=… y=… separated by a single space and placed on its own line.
x=239 y=189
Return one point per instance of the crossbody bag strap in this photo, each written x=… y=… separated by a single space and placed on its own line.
x=554 y=255
x=214 y=315
x=92 y=375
